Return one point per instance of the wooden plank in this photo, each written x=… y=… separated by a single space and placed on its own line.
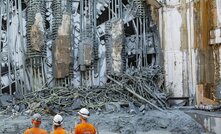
x=200 y=99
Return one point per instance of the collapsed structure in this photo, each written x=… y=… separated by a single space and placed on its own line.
x=73 y=43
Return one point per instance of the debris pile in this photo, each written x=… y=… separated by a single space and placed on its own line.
x=141 y=88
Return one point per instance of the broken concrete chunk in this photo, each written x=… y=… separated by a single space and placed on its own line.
x=76 y=104
x=22 y=107
x=142 y=108
x=132 y=109
x=163 y=123
x=18 y=96
x=6 y=100
x=112 y=107
x=16 y=108
x=34 y=105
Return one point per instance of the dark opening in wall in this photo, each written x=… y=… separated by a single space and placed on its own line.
x=1 y=47
x=132 y=60
x=103 y=17
x=4 y=24
x=125 y=2
x=150 y=59
x=129 y=29
x=23 y=4
x=79 y=8
x=47 y=23
x=102 y=39
x=6 y=90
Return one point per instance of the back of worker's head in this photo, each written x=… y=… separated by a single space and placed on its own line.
x=36 y=120
x=84 y=113
x=57 y=121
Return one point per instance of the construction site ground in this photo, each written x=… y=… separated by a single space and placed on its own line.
x=146 y=122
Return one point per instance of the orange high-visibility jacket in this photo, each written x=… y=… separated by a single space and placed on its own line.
x=59 y=131
x=85 y=128
x=35 y=131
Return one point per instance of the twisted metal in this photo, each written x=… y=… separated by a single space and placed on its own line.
x=144 y=84
x=57 y=17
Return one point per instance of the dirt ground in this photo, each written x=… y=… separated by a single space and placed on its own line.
x=150 y=122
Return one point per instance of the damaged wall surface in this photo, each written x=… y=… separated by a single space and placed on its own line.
x=189 y=58
x=73 y=43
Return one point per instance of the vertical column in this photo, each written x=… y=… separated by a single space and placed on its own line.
x=117 y=45
x=8 y=47
x=0 y=46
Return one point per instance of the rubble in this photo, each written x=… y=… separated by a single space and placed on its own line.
x=137 y=89
x=6 y=100
x=173 y=121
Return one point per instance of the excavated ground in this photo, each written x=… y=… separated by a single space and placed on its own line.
x=149 y=122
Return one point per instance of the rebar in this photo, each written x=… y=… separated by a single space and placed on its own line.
x=139 y=87
x=108 y=48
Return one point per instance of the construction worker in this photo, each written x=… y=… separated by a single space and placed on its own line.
x=84 y=127
x=36 y=122
x=58 y=125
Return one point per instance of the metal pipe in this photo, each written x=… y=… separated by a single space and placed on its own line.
x=22 y=43
x=0 y=47
x=141 y=41
x=153 y=62
x=121 y=8
x=109 y=15
x=115 y=8
x=9 y=49
x=144 y=41
x=112 y=6
x=39 y=79
x=137 y=47
x=42 y=71
x=81 y=19
x=31 y=75
x=35 y=74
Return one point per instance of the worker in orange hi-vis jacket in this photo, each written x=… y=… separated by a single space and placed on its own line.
x=84 y=127
x=36 y=122
x=58 y=125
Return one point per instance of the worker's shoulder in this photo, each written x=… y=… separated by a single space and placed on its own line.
x=85 y=125
x=91 y=125
x=27 y=131
x=43 y=131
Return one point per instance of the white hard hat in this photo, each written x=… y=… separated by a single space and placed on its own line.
x=58 y=120
x=84 y=113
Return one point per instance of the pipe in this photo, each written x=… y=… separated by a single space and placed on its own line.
x=190 y=53
x=22 y=45
x=9 y=49
x=0 y=47
x=112 y=6
x=109 y=15
x=137 y=47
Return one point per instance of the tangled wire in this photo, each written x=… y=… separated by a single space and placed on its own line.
x=139 y=87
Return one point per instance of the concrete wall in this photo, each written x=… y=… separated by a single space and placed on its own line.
x=188 y=58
